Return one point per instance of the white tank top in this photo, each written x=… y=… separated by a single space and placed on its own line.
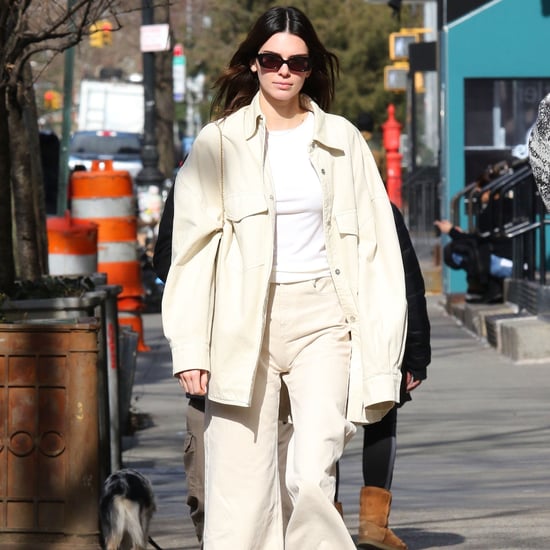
x=299 y=251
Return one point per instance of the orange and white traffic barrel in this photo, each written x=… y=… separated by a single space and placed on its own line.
x=72 y=246
x=129 y=315
x=106 y=197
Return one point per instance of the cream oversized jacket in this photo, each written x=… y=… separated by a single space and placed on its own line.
x=214 y=303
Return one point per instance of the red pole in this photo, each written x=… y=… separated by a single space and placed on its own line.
x=391 y=130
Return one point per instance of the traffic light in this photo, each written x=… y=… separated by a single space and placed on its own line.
x=101 y=34
x=399 y=44
x=96 y=36
x=396 y=75
x=106 y=29
x=52 y=100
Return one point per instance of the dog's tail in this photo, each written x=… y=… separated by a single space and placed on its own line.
x=125 y=517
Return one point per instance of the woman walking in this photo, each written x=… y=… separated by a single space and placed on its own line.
x=286 y=271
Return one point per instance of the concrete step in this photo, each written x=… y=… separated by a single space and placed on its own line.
x=516 y=334
x=525 y=339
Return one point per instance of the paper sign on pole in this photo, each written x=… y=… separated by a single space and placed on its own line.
x=155 y=38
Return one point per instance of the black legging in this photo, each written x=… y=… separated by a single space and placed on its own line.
x=379 y=444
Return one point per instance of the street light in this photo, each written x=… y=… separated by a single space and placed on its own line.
x=150 y=173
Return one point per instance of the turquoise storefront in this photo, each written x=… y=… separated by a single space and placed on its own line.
x=494 y=69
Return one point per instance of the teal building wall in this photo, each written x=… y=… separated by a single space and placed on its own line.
x=502 y=39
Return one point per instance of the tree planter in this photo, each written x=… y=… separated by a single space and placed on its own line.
x=51 y=467
x=102 y=304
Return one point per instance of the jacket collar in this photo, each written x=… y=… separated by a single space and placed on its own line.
x=253 y=119
x=321 y=132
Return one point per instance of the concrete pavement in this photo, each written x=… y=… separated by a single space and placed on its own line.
x=473 y=459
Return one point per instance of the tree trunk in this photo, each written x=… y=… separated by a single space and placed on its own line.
x=7 y=265
x=7 y=270
x=30 y=114
x=164 y=101
x=26 y=180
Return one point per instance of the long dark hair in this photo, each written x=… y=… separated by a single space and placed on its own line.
x=237 y=85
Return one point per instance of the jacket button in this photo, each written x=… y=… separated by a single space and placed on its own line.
x=337 y=271
x=352 y=319
x=323 y=171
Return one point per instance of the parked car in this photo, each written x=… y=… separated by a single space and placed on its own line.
x=123 y=148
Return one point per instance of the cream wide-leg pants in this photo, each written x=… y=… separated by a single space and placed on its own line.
x=307 y=347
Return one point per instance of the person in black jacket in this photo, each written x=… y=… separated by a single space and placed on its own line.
x=379 y=439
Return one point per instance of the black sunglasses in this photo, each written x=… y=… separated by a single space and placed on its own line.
x=273 y=62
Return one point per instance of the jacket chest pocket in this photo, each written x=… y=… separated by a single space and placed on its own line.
x=248 y=215
x=347 y=223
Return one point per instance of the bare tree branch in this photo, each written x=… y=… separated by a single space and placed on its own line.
x=35 y=26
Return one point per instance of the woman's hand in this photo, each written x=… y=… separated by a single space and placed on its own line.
x=193 y=381
x=411 y=382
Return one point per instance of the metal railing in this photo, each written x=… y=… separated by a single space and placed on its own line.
x=509 y=208
x=420 y=194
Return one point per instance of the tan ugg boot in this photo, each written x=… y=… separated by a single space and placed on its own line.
x=374 y=511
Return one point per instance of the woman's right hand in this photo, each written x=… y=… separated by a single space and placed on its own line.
x=193 y=381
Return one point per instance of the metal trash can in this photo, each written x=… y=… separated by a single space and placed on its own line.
x=51 y=467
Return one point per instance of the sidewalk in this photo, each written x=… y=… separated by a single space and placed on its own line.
x=473 y=459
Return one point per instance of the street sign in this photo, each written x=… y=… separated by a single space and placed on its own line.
x=155 y=38
x=178 y=72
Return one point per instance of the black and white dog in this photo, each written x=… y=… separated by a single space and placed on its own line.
x=126 y=507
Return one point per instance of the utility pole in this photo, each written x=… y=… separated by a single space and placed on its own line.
x=150 y=173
